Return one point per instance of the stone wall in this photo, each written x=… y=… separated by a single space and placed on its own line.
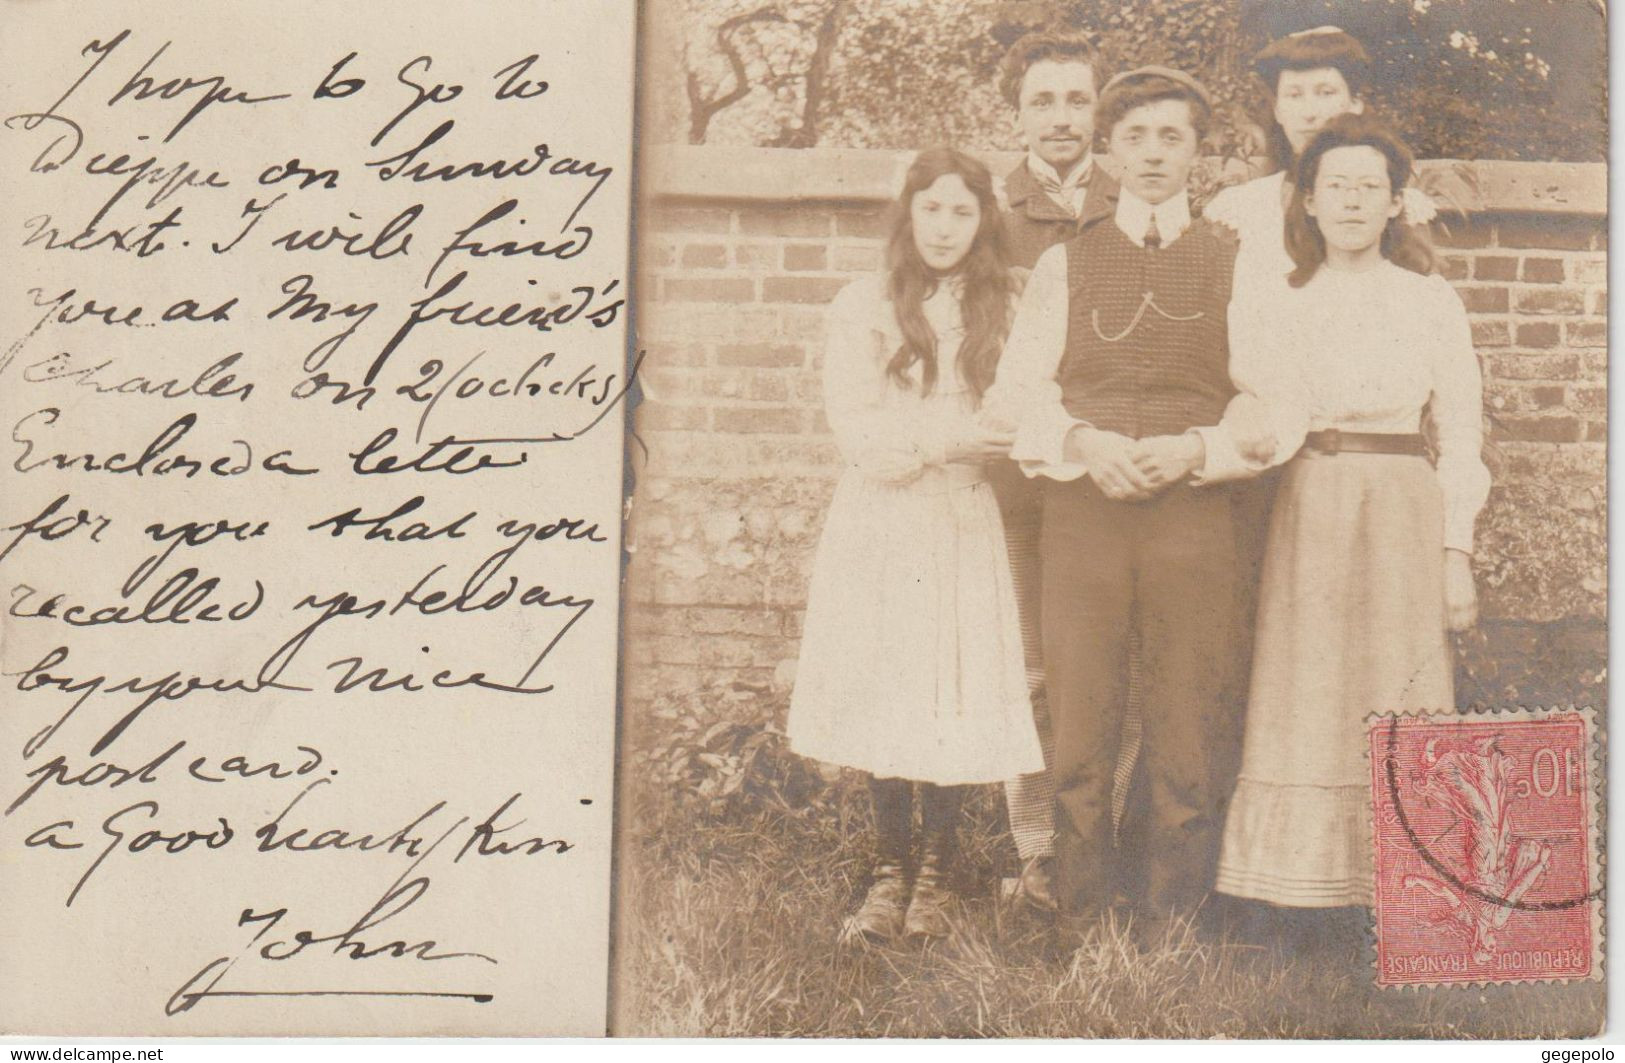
x=740 y=250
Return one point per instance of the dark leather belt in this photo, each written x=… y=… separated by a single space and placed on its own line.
x=1335 y=441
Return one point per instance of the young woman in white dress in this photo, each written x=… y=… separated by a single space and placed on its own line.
x=1367 y=567
x=911 y=664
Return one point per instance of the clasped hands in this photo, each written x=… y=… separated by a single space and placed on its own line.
x=1126 y=470
x=1133 y=470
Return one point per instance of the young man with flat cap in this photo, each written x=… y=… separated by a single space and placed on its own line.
x=1117 y=358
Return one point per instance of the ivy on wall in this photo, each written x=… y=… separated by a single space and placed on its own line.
x=1520 y=79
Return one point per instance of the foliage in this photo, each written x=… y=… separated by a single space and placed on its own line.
x=1461 y=78
x=728 y=928
x=721 y=753
x=917 y=73
x=1519 y=664
x=1200 y=37
x=1543 y=550
x=1468 y=79
x=742 y=858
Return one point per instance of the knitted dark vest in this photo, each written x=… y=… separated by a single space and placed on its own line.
x=1170 y=371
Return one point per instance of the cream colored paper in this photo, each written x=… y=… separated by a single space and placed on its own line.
x=267 y=769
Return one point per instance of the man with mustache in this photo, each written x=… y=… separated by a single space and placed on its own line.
x=1052 y=80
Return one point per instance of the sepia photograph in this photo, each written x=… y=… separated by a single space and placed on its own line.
x=844 y=519
x=1117 y=521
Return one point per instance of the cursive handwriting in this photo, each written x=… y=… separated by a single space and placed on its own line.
x=140 y=87
x=154 y=460
x=348 y=943
x=299 y=336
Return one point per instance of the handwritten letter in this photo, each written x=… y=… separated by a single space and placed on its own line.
x=312 y=376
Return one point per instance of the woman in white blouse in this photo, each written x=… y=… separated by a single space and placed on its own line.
x=1368 y=561
x=1311 y=77
x=911 y=664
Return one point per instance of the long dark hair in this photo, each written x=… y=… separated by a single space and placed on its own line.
x=987 y=288
x=1314 y=50
x=1403 y=244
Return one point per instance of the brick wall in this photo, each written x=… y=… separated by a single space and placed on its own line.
x=741 y=250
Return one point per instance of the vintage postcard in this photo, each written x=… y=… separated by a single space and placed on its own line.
x=804 y=518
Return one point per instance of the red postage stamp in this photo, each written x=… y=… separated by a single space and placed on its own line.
x=1486 y=842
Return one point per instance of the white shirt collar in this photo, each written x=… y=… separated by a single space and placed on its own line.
x=1134 y=216
x=1073 y=187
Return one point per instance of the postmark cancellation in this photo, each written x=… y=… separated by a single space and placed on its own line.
x=1486 y=829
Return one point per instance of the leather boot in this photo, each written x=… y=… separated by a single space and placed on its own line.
x=880 y=917
x=930 y=910
x=1036 y=886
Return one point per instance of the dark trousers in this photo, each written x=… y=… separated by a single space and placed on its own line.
x=1167 y=567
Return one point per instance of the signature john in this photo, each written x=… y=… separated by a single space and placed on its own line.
x=280 y=937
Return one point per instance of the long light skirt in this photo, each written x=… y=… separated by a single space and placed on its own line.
x=911 y=661
x=1350 y=622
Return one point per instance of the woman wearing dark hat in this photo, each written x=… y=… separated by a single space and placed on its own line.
x=1311 y=77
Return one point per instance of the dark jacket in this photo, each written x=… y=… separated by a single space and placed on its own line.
x=1034 y=223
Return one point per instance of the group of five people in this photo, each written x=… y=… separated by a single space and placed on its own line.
x=1143 y=511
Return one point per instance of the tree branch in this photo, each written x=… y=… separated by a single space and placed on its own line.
x=805 y=135
x=701 y=108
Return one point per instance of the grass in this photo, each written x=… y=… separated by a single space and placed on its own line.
x=729 y=924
